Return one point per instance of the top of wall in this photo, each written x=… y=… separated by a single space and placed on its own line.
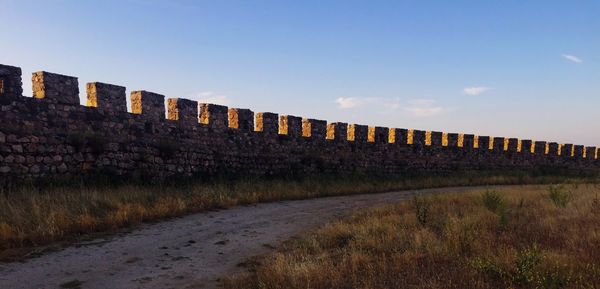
x=110 y=99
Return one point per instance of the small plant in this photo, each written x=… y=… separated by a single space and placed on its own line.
x=526 y=265
x=421 y=206
x=560 y=195
x=493 y=201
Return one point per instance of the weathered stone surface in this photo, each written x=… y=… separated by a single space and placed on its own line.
x=398 y=136
x=526 y=146
x=242 y=119
x=483 y=143
x=290 y=125
x=183 y=110
x=55 y=88
x=106 y=97
x=10 y=81
x=358 y=133
x=436 y=138
x=337 y=131
x=59 y=137
x=453 y=139
x=314 y=128
x=539 y=148
x=267 y=122
x=213 y=115
x=150 y=105
x=498 y=144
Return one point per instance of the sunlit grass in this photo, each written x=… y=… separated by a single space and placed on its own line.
x=32 y=216
x=507 y=238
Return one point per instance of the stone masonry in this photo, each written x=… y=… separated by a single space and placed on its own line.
x=52 y=135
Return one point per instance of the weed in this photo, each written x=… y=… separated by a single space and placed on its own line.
x=493 y=201
x=388 y=250
x=421 y=206
x=560 y=195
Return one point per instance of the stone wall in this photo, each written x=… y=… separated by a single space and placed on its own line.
x=51 y=135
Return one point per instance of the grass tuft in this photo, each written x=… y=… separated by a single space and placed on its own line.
x=457 y=243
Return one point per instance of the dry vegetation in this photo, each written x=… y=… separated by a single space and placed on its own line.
x=509 y=238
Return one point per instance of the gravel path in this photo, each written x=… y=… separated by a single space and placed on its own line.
x=188 y=252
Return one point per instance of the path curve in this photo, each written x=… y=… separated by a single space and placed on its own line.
x=188 y=252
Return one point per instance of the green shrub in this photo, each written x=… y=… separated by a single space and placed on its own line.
x=493 y=201
x=421 y=206
x=560 y=195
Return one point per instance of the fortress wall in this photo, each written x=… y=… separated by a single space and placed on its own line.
x=51 y=135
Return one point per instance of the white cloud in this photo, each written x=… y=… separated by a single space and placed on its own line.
x=413 y=108
x=212 y=97
x=349 y=102
x=475 y=90
x=572 y=58
x=423 y=108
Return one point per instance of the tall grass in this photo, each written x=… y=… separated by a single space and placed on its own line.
x=32 y=216
x=462 y=244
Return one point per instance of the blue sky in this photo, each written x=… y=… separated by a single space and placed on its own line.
x=526 y=69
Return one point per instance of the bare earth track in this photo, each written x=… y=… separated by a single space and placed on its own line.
x=188 y=252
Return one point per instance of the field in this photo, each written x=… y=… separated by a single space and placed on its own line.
x=509 y=238
x=31 y=216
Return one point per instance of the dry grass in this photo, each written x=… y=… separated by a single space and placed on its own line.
x=31 y=216
x=508 y=238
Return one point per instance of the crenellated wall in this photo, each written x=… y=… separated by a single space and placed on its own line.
x=51 y=134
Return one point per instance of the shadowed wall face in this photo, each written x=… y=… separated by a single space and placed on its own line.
x=213 y=115
x=106 y=97
x=267 y=122
x=10 y=81
x=337 y=131
x=150 y=105
x=183 y=110
x=242 y=119
x=51 y=136
x=55 y=88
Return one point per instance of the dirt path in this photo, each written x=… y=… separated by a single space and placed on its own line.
x=188 y=252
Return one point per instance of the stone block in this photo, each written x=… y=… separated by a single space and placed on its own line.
x=314 y=128
x=358 y=133
x=106 y=97
x=150 y=105
x=267 y=122
x=242 y=119
x=498 y=144
x=214 y=115
x=513 y=145
x=484 y=143
x=468 y=141
x=183 y=110
x=337 y=131
x=539 y=148
x=10 y=81
x=453 y=139
x=526 y=146
x=290 y=125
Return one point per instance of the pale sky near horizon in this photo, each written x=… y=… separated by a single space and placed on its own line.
x=525 y=69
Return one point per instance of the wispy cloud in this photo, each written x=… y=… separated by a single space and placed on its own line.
x=475 y=90
x=572 y=58
x=349 y=102
x=412 y=108
x=424 y=108
x=212 y=97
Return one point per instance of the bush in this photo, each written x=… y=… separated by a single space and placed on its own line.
x=560 y=195
x=493 y=201
x=421 y=206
